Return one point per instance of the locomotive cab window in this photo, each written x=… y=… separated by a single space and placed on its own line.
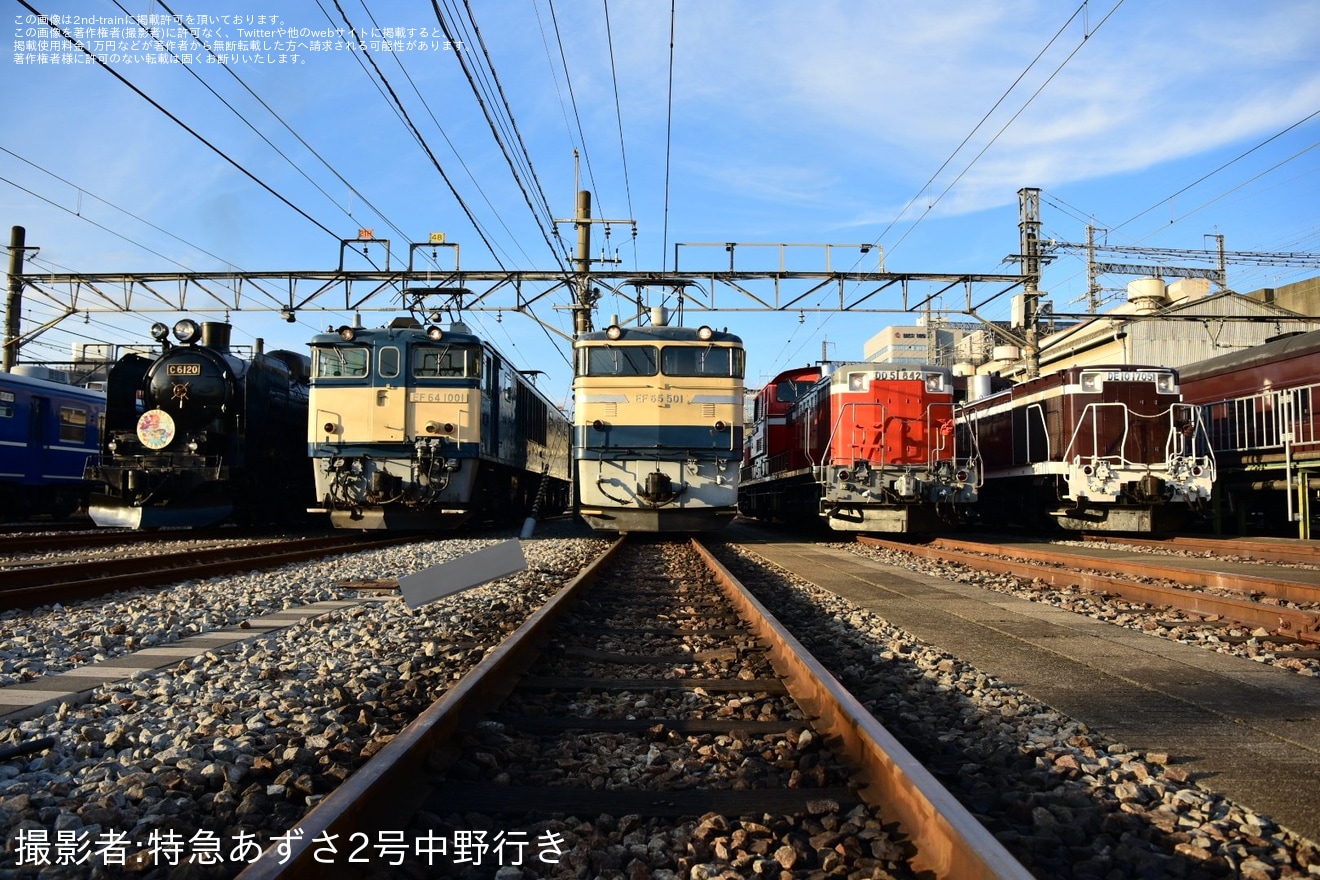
x=687 y=360
x=387 y=362
x=444 y=362
x=342 y=362
x=615 y=360
x=6 y=404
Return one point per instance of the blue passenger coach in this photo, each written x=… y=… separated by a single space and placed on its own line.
x=47 y=431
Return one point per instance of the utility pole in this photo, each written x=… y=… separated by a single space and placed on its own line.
x=14 y=303
x=1029 y=248
x=586 y=294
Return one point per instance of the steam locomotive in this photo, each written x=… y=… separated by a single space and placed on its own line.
x=196 y=435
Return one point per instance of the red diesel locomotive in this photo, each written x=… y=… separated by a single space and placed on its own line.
x=865 y=447
x=1095 y=448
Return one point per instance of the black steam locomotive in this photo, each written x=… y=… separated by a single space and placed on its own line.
x=197 y=435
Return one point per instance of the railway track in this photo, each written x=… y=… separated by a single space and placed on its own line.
x=718 y=714
x=1161 y=581
x=1259 y=549
x=64 y=582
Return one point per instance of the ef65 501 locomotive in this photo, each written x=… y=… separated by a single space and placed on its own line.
x=197 y=435
x=416 y=427
x=658 y=427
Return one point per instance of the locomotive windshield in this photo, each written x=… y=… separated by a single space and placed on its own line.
x=685 y=360
x=341 y=361
x=444 y=362
x=790 y=390
x=614 y=360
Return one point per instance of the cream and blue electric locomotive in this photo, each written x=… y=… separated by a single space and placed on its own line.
x=414 y=427
x=658 y=427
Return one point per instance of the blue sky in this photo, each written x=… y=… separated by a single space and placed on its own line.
x=911 y=125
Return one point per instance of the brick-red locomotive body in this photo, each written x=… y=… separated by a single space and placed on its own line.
x=868 y=447
x=1093 y=448
x=1260 y=410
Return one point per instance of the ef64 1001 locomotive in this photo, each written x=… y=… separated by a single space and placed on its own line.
x=416 y=427
x=198 y=435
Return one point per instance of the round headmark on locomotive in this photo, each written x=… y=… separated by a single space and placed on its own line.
x=155 y=429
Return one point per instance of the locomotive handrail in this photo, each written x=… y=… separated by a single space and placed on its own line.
x=834 y=429
x=1090 y=417
x=1039 y=411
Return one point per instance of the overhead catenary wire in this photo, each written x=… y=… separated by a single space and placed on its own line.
x=176 y=120
x=528 y=196
x=421 y=141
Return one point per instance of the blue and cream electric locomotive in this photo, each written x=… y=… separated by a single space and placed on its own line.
x=416 y=427
x=658 y=427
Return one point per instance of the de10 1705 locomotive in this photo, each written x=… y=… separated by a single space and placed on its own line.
x=658 y=427
x=197 y=435
x=416 y=427
x=1095 y=448
x=865 y=447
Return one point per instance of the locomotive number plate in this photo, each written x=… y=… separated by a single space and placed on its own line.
x=1129 y=376
x=183 y=369
x=900 y=375
x=661 y=399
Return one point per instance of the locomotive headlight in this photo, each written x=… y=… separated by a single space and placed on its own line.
x=704 y=332
x=192 y=445
x=614 y=331
x=1090 y=381
x=348 y=334
x=186 y=330
x=159 y=331
x=434 y=333
x=1164 y=383
x=934 y=382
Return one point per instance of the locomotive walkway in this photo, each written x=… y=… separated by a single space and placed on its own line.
x=1249 y=731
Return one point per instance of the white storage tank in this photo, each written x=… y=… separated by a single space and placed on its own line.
x=1147 y=294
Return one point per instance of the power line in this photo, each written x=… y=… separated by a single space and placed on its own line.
x=1086 y=37
x=221 y=153
x=494 y=127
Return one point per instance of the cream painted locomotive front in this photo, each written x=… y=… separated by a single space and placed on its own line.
x=640 y=490
x=377 y=465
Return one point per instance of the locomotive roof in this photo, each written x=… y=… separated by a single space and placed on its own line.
x=416 y=332
x=660 y=334
x=1249 y=358
x=18 y=380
